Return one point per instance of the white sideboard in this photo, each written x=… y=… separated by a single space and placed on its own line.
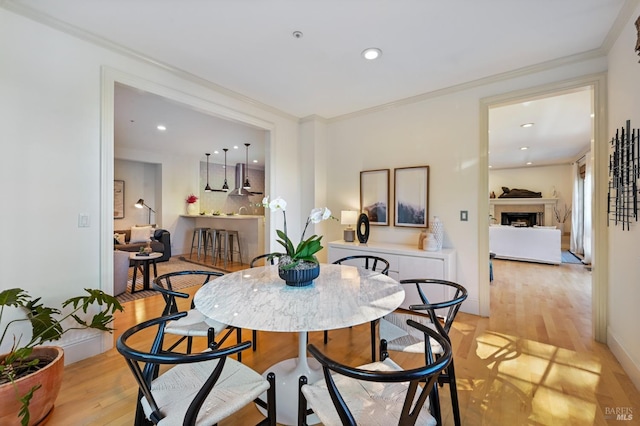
x=405 y=262
x=533 y=244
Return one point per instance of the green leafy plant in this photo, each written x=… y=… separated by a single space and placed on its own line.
x=306 y=249
x=46 y=326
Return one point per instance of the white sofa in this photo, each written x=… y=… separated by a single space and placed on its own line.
x=532 y=244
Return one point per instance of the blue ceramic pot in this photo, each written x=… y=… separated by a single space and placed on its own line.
x=299 y=277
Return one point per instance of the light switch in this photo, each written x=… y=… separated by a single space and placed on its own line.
x=464 y=215
x=83 y=220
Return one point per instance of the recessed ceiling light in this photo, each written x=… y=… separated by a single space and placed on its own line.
x=216 y=152
x=592 y=115
x=529 y=163
x=235 y=147
x=255 y=161
x=161 y=127
x=526 y=125
x=524 y=148
x=490 y=166
x=371 y=53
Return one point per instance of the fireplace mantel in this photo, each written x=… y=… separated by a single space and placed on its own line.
x=526 y=201
x=524 y=204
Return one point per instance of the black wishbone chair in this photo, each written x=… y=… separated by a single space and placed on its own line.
x=204 y=387
x=373 y=263
x=438 y=315
x=378 y=393
x=194 y=324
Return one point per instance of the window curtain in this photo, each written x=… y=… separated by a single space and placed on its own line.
x=577 y=212
x=588 y=201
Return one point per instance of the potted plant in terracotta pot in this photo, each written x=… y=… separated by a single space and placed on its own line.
x=31 y=374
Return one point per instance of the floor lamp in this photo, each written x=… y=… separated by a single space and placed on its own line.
x=140 y=204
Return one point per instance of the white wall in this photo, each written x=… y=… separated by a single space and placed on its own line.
x=51 y=107
x=139 y=182
x=624 y=246
x=538 y=179
x=444 y=133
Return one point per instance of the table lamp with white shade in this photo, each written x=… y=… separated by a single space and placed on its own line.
x=349 y=218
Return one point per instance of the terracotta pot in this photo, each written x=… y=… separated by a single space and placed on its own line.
x=50 y=377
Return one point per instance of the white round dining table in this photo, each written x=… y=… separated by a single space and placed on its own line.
x=258 y=299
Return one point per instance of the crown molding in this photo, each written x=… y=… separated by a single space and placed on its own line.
x=532 y=69
x=626 y=11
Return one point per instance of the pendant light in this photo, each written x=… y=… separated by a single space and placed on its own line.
x=225 y=186
x=246 y=184
x=207 y=188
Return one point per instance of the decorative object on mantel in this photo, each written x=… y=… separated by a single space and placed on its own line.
x=624 y=172
x=363 y=221
x=299 y=266
x=437 y=229
x=349 y=217
x=519 y=193
x=192 y=209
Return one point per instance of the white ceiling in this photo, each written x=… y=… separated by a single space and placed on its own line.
x=247 y=47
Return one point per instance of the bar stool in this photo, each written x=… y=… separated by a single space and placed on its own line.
x=225 y=246
x=212 y=239
x=201 y=234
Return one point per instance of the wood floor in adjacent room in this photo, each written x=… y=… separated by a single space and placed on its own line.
x=533 y=362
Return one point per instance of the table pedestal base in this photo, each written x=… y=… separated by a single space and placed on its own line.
x=288 y=374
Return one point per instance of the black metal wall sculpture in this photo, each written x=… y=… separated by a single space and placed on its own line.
x=624 y=172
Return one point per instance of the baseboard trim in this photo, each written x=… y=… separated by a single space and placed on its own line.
x=632 y=370
x=94 y=344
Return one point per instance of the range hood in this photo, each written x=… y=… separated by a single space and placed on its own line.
x=238 y=190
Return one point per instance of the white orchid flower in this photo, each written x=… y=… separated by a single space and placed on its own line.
x=278 y=204
x=265 y=201
x=318 y=215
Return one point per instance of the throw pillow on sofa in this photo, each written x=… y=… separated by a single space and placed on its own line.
x=140 y=234
x=119 y=238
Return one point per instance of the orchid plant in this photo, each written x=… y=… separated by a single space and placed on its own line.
x=306 y=249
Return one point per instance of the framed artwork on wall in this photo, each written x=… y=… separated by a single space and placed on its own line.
x=412 y=196
x=374 y=196
x=118 y=199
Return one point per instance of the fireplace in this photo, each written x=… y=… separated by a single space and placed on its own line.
x=520 y=218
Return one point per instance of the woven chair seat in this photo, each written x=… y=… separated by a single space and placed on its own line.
x=371 y=403
x=174 y=390
x=194 y=324
x=402 y=338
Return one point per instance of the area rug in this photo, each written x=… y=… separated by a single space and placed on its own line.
x=172 y=265
x=568 y=257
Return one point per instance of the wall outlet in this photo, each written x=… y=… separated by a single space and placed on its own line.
x=464 y=215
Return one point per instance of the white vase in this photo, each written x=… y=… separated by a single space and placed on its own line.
x=437 y=229
x=192 y=209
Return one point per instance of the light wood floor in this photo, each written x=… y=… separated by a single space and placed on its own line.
x=533 y=362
